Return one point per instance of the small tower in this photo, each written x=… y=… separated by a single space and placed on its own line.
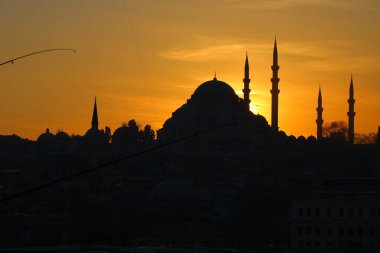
x=319 y=116
x=275 y=91
x=351 y=114
x=94 y=121
x=246 y=81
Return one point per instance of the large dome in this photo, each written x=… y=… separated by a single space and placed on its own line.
x=215 y=90
x=214 y=103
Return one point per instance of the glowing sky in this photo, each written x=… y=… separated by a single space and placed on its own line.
x=143 y=59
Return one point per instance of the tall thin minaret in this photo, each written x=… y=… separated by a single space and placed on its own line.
x=275 y=80
x=246 y=81
x=319 y=116
x=94 y=121
x=351 y=114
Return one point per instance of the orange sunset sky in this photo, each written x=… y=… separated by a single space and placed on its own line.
x=143 y=59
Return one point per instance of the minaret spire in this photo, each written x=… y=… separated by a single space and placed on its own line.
x=275 y=54
x=351 y=113
x=94 y=121
x=275 y=91
x=246 y=82
x=319 y=115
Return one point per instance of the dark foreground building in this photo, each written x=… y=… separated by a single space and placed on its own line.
x=342 y=216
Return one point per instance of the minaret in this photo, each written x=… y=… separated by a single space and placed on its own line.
x=351 y=114
x=319 y=116
x=94 y=121
x=246 y=81
x=275 y=80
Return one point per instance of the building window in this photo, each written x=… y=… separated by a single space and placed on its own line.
x=372 y=231
x=317 y=244
x=350 y=213
x=373 y=213
x=317 y=212
x=341 y=231
x=308 y=230
x=317 y=231
x=328 y=213
x=341 y=213
x=350 y=231
x=360 y=213
x=308 y=212
x=300 y=230
x=300 y=212
x=360 y=231
x=300 y=243
x=329 y=231
x=329 y=244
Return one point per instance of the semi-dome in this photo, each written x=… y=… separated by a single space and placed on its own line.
x=46 y=138
x=62 y=136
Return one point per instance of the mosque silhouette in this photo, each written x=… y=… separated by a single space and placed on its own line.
x=214 y=103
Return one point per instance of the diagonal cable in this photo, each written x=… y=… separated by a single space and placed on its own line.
x=136 y=154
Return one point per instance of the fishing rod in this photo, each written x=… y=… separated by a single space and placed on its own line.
x=38 y=52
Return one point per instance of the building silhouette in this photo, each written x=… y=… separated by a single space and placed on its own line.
x=46 y=138
x=94 y=122
x=215 y=103
x=319 y=120
x=94 y=135
x=351 y=113
x=246 y=81
x=342 y=216
x=275 y=91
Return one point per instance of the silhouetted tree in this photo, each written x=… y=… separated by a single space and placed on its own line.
x=369 y=138
x=127 y=135
x=134 y=131
x=147 y=135
x=336 y=131
x=133 y=126
x=107 y=133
